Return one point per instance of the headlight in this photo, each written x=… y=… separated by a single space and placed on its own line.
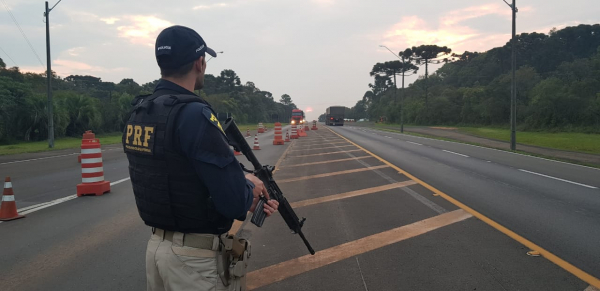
x=293 y=122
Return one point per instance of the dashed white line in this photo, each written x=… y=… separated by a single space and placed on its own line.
x=456 y=153
x=45 y=158
x=559 y=179
x=413 y=142
x=388 y=136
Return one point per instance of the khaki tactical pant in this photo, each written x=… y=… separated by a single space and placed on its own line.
x=172 y=266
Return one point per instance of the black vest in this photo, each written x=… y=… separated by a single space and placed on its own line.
x=168 y=193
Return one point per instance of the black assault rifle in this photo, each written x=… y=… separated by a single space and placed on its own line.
x=265 y=174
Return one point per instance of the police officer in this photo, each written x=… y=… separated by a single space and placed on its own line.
x=188 y=186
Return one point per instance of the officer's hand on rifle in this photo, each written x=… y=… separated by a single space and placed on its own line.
x=259 y=190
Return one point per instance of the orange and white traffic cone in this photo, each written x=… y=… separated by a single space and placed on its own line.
x=92 y=170
x=261 y=128
x=248 y=132
x=294 y=132
x=256 y=145
x=314 y=127
x=278 y=140
x=287 y=136
x=8 y=209
x=236 y=153
x=88 y=134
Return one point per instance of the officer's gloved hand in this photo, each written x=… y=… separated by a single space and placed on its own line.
x=260 y=190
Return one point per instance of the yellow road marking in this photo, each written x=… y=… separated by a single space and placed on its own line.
x=328 y=153
x=333 y=142
x=293 y=267
x=326 y=162
x=334 y=147
x=352 y=194
x=332 y=174
x=532 y=246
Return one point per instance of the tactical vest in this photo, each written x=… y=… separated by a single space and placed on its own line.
x=168 y=192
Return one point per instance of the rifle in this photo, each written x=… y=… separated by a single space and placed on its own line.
x=265 y=174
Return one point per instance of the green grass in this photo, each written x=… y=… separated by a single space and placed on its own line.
x=59 y=144
x=569 y=141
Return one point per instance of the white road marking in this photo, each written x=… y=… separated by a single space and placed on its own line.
x=413 y=142
x=34 y=208
x=456 y=153
x=559 y=179
x=591 y=288
x=22 y=161
x=388 y=136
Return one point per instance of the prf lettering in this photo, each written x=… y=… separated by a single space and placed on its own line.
x=139 y=132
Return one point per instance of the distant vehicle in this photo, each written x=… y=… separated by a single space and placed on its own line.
x=297 y=117
x=334 y=115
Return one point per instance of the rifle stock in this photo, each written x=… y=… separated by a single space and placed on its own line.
x=265 y=174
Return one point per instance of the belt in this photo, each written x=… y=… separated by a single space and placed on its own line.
x=199 y=241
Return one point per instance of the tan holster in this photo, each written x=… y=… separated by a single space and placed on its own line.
x=232 y=261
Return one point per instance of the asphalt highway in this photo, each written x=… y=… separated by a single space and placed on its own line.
x=371 y=217
x=556 y=205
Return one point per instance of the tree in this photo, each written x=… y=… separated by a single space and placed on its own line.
x=285 y=99
x=2 y=64
x=429 y=54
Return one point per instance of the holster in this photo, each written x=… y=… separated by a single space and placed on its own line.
x=232 y=261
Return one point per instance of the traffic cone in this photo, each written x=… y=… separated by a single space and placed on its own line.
x=287 y=136
x=261 y=128
x=88 y=134
x=314 y=127
x=92 y=170
x=248 y=132
x=294 y=132
x=256 y=145
x=8 y=209
x=278 y=140
x=236 y=153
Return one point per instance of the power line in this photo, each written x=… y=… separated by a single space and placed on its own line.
x=9 y=57
x=22 y=32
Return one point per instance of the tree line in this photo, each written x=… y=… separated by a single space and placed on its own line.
x=86 y=102
x=557 y=76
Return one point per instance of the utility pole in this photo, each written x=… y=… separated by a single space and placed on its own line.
x=49 y=77
x=402 y=98
x=513 y=83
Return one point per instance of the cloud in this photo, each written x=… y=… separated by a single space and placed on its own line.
x=211 y=6
x=65 y=67
x=110 y=20
x=76 y=51
x=451 y=30
x=142 y=29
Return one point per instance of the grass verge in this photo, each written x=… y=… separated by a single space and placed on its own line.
x=568 y=141
x=59 y=144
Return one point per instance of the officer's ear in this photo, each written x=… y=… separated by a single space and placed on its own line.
x=200 y=65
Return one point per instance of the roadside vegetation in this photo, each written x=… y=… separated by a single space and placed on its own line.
x=87 y=103
x=59 y=144
x=558 y=85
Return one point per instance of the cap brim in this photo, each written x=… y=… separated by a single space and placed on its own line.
x=211 y=52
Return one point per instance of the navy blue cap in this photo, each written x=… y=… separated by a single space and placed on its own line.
x=179 y=45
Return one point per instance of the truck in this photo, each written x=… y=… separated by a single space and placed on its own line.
x=334 y=115
x=297 y=117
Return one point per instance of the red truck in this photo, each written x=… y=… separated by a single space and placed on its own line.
x=297 y=117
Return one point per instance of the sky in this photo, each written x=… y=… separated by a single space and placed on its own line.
x=320 y=52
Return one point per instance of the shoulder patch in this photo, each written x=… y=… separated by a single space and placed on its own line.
x=210 y=115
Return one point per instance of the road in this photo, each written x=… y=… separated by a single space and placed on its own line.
x=374 y=227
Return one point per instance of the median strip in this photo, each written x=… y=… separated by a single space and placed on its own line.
x=297 y=266
x=322 y=154
x=331 y=174
x=352 y=194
